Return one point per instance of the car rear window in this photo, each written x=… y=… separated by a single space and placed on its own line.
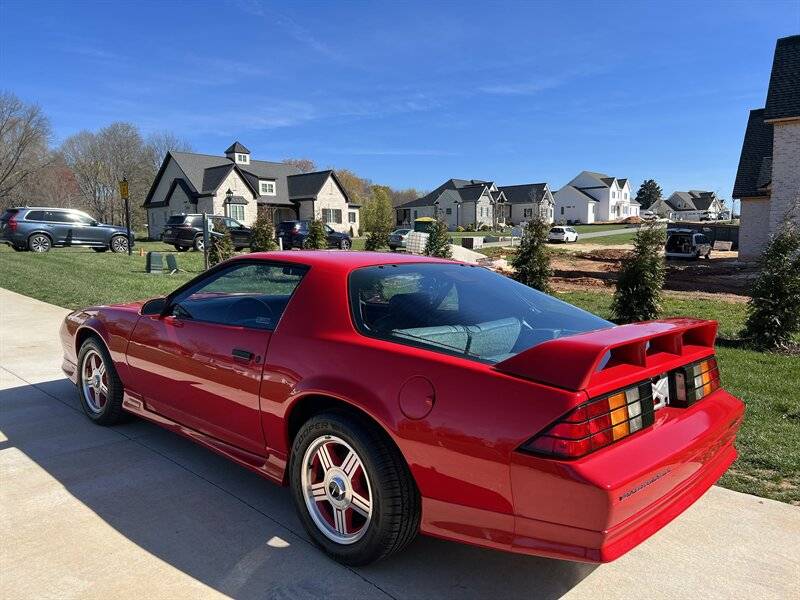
x=176 y=220
x=459 y=309
x=9 y=212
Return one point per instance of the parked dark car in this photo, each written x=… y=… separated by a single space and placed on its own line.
x=294 y=233
x=186 y=231
x=39 y=228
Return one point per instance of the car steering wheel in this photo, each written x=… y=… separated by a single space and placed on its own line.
x=249 y=311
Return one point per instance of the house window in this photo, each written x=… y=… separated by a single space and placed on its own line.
x=626 y=195
x=415 y=214
x=331 y=215
x=267 y=188
x=351 y=217
x=562 y=210
x=448 y=211
x=243 y=158
x=236 y=211
x=528 y=212
x=613 y=194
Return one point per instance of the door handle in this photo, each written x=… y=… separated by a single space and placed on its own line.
x=242 y=355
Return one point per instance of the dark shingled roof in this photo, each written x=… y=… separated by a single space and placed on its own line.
x=756 y=147
x=236 y=200
x=307 y=185
x=525 y=193
x=783 y=97
x=214 y=176
x=466 y=189
x=237 y=147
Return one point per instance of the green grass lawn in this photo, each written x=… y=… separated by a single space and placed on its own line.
x=769 y=442
x=609 y=240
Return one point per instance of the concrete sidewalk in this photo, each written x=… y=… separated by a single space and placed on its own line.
x=136 y=512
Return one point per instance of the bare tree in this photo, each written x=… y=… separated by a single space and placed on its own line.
x=158 y=144
x=84 y=156
x=52 y=185
x=24 y=135
x=306 y=165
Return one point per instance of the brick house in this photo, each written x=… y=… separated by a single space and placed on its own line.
x=236 y=186
x=768 y=177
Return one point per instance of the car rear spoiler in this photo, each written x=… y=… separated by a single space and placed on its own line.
x=586 y=360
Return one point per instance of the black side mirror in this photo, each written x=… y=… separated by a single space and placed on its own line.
x=155 y=306
x=95 y=223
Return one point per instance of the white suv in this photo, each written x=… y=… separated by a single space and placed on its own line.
x=562 y=233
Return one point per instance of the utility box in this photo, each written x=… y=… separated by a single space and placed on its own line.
x=472 y=242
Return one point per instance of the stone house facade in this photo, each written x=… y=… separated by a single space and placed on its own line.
x=768 y=177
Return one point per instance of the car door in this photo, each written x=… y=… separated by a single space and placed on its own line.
x=332 y=237
x=239 y=233
x=60 y=227
x=86 y=231
x=200 y=363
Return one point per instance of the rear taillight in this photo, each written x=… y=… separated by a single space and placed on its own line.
x=602 y=421
x=597 y=423
x=11 y=224
x=693 y=382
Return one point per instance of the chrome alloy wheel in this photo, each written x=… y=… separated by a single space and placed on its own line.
x=40 y=243
x=119 y=244
x=336 y=489
x=94 y=382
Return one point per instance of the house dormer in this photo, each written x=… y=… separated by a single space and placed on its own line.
x=238 y=154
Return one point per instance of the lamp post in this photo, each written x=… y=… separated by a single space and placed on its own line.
x=123 y=193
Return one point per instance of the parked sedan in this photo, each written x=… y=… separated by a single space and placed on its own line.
x=398 y=238
x=41 y=228
x=186 y=231
x=562 y=233
x=398 y=394
x=293 y=234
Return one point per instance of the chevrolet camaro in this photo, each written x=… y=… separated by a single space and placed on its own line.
x=400 y=394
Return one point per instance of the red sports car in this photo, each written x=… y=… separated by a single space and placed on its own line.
x=399 y=394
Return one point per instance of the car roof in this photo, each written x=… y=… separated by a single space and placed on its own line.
x=342 y=260
x=45 y=208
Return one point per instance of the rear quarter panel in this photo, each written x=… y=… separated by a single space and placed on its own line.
x=458 y=453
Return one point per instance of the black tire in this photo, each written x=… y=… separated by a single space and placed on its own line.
x=111 y=413
x=180 y=248
x=19 y=248
x=100 y=249
x=394 y=495
x=40 y=242
x=118 y=244
x=197 y=244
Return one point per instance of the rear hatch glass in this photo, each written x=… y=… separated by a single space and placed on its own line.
x=176 y=220
x=679 y=243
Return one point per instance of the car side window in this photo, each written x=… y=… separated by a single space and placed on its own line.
x=35 y=215
x=79 y=218
x=328 y=229
x=56 y=216
x=250 y=295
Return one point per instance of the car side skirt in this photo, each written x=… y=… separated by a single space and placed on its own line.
x=255 y=462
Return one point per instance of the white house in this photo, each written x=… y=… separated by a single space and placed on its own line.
x=236 y=186
x=694 y=205
x=591 y=197
x=463 y=202
x=768 y=177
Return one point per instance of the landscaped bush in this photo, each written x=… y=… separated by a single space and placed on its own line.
x=263 y=239
x=532 y=262
x=641 y=277
x=376 y=240
x=485 y=228
x=773 y=312
x=221 y=246
x=459 y=229
x=470 y=227
x=438 y=243
x=316 y=239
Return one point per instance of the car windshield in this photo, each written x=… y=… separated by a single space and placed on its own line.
x=400 y=231
x=460 y=309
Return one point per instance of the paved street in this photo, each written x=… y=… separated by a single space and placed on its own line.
x=136 y=512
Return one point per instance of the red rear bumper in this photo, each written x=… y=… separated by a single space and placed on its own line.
x=599 y=507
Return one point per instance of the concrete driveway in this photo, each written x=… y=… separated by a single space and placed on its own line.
x=136 y=512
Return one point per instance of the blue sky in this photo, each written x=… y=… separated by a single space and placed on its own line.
x=410 y=94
